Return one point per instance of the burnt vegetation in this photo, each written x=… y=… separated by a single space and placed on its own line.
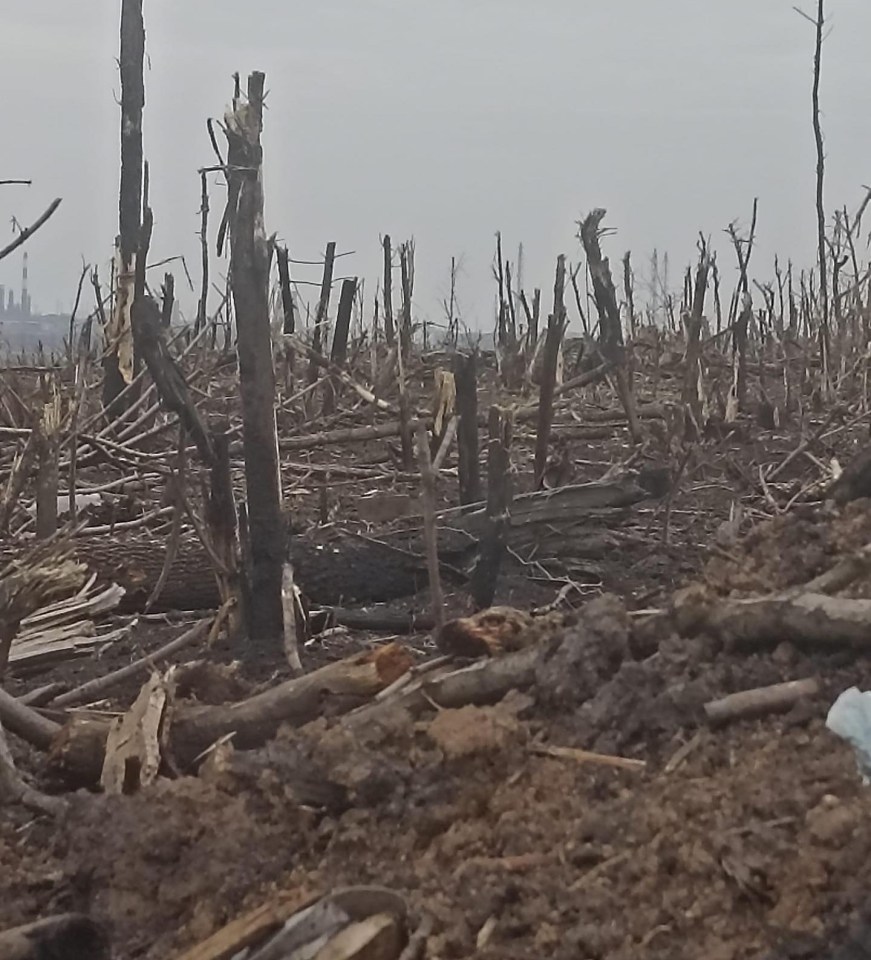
x=327 y=628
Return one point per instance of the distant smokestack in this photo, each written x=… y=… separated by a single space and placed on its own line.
x=25 y=296
x=2 y=298
x=11 y=301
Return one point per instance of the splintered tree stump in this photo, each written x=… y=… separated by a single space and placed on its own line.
x=76 y=756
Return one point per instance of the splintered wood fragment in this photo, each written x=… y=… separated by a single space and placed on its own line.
x=133 y=749
x=306 y=931
x=375 y=938
x=683 y=751
x=750 y=704
x=251 y=928
x=587 y=756
x=72 y=936
x=288 y=613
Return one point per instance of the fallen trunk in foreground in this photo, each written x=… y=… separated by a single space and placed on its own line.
x=77 y=753
x=807 y=619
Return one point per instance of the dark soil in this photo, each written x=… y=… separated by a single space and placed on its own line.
x=743 y=843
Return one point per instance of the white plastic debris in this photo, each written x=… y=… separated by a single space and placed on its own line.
x=850 y=718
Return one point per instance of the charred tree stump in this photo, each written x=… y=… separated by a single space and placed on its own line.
x=499 y=494
x=249 y=278
x=339 y=350
x=555 y=329
x=389 y=329
x=611 y=344
x=323 y=308
x=221 y=520
x=47 y=434
x=466 y=379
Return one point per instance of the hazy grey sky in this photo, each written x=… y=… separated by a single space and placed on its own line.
x=447 y=120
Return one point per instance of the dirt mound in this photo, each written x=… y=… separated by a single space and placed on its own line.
x=748 y=842
x=791 y=549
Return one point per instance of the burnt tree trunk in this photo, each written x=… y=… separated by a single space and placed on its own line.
x=323 y=307
x=499 y=494
x=555 y=328
x=389 y=330
x=466 y=380
x=118 y=360
x=249 y=277
x=339 y=351
x=611 y=343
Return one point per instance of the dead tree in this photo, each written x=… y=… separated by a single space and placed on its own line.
x=406 y=266
x=166 y=374
x=825 y=344
x=555 y=330
x=323 y=308
x=249 y=278
x=339 y=351
x=499 y=496
x=389 y=330
x=610 y=328
x=204 y=253
x=694 y=331
x=466 y=380
x=743 y=252
x=118 y=359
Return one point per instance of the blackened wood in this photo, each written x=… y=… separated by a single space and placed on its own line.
x=287 y=305
x=249 y=277
x=555 y=330
x=131 y=62
x=220 y=515
x=466 y=380
x=610 y=326
x=168 y=293
x=499 y=494
x=167 y=375
x=323 y=308
x=339 y=350
x=389 y=330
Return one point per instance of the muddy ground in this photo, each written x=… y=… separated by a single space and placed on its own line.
x=740 y=843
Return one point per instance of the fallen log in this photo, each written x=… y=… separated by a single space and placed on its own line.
x=26 y=723
x=812 y=620
x=760 y=702
x=484 y=682
x=346 y=570
x=76 y=753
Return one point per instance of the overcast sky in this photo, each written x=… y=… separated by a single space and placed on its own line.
x=446 y=120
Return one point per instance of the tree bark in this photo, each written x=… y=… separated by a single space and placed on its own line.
x=249 y=276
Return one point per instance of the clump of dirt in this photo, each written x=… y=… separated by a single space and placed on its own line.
x=792 y=549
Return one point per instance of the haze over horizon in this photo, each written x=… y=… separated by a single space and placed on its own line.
x=445 y=122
